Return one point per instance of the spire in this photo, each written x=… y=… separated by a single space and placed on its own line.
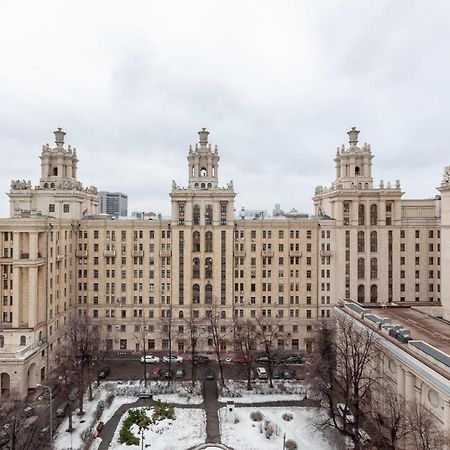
x=59 y=137
x=203 y=137
x=353 y=136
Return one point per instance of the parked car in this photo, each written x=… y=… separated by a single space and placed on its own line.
x=157 y=372
x=150 y=359
x=168 y=374
x=210 y=375
x=200 y=359
x=276 y=374
x=144 y=395
x=61 y=410
x=28 y=411
x=345 y=413
x=291 y=359
x=264 y=360
x=172 y=358
x=262 y=373
x=288 y=374
x=104 y=373
x=180 y=373
x=242 y=359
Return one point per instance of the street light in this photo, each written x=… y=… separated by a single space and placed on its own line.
x=51 y=408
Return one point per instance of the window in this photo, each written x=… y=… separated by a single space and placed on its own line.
x=23 y=340
x=373 y=215
x=196 y=241
x=373 y=268
x=373 y=241
x=208 y=241
x=208 y=268
x=66 y=207
x=360 y=241
x=208 y=215
x=196 y=268
x=361 y=293
x=361 y=214
x=51 y=207
x=196 y=293
x=374 y=293
x=208 y=294
x=361 y=268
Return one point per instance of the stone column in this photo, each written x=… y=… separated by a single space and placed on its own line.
x=447 y=415
x=401 y=381
x=410 y=383
x=16 y=281
x=33 y=245
x=32 y=296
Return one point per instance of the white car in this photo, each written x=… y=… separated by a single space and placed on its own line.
x=345 y=413
x=149 y=359
x=262 y=373
x=172 y=358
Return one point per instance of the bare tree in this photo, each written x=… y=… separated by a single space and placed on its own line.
x=245 y=340
x=389 y=410
x=268 y=333
x=141 y=335
x=218 y=333
x=193 y=331
x=343 y=371
x=20 y=430
x=423 y=429
x=80 y=354
x=167 y=336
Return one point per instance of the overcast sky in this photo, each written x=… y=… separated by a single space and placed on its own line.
x=277 y=83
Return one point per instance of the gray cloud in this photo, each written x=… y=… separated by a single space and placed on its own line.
x=277 y=84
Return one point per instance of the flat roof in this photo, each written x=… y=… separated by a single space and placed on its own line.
x=422 y=326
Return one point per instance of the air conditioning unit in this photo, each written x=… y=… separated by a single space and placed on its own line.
x=145 y=327
x=5 y=275
x=117 y=327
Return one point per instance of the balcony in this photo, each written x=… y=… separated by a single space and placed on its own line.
x=81 y=253
x=267 y=253
x=109 y=253
x=137 y=253
x=240 y=253
x=165 y=253
x=325 y=253
x=295 y=253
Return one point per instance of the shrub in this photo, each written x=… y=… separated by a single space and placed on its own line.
x=163 y=411
x=135 y=416
x=287 y=417
x=291 y=445
x=256 y=416
x=108 y=400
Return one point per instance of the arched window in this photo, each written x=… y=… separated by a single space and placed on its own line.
x=2 y=341
x=223 y=314
x=361 y=214
x=203 y=186
x=373 y=268
x=361 y=293
x=196 y=293
x=208 y=241
x=208 y=294
x=208 y=268
x=180 y=314
x=52 y=185
x=196 y=215
x=373 y=215
x=209 y=185
x=374 y=293
x=196 y=268
x=196 y=241
x=196 y=185
x=55 y=171
x=356 y=170
x=208 y=215
x=23 y=340
x=203 y=172
x=361 y=246
x=45 y=185
x=361 y=268
x=373 y=241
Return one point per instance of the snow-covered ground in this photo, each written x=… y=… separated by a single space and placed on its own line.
x=261 y=392
x=249 y=435
x=180 y=392
x=186 y=430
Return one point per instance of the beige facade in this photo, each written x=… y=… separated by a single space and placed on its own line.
x=60 y=258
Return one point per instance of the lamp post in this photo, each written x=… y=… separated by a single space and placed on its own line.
x=51 y=408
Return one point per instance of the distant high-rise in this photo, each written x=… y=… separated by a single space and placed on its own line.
x=114 y=203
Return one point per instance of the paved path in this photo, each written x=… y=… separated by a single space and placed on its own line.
x=211 y=406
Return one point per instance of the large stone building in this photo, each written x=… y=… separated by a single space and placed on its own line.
x=58 y=258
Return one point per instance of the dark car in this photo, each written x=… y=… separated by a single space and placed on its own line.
x=144 y=395
x=210 y=375
x=264 y=360
x=291 y=359
x=104 y=372
x=276 y=375
x=200 y=359
x=288 y=374
x=180 y=373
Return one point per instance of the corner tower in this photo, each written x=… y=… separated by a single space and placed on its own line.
x=444 y=189
x=59 y=193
